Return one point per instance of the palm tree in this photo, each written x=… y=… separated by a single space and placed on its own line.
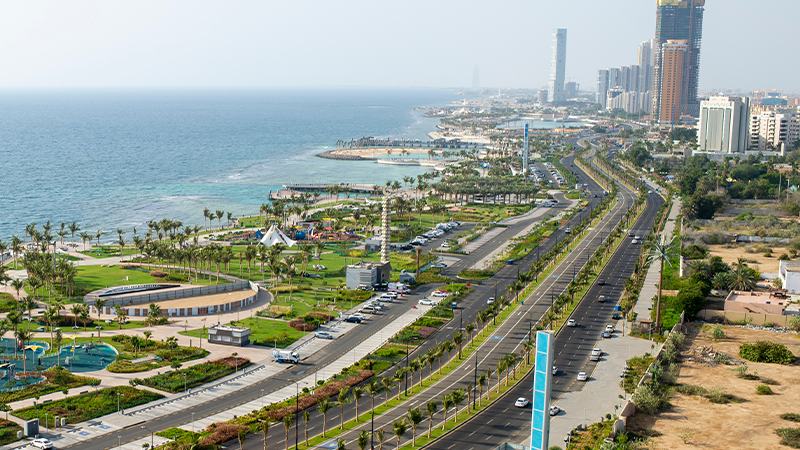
x=206 y=214
x=481 y=383
x=447 y=402
x=220 y=214
x=432 y=408
x=265 y=431
x=17 y=285
x=380 y=436
x=660 y=253
x=415 y=417
x=288 y=421
x=99 y=304
x=744 y=278
x=399 y=427
x=363 y=439
x=341 y=444
x=306 y=419
x=324 y=405
x=458 y=397
x=98 y=234
x=342 y=400
x=23 y=336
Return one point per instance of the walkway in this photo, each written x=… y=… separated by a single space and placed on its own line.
x=650 y=287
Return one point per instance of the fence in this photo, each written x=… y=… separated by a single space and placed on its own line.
x=733 y=317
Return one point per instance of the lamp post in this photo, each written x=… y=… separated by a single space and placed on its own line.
x=296 y=411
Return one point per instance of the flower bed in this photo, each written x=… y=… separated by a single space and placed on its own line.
x=179 y=380
x=89 y=406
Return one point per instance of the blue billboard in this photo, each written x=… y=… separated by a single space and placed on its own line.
x=542 y=378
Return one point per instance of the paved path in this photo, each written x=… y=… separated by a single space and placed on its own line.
x=650 y=287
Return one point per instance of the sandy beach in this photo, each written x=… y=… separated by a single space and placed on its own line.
x=370 y=153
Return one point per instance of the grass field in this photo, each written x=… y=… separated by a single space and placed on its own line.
x=89 y=406
x=109 y=251
x=7 y=302
x=266 y=332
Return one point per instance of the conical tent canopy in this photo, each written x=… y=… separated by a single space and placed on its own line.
x=275 y=236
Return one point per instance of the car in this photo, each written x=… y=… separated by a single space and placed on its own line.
x=616 y=316
x=428 y=302
x=555 y=370
x=601 y=299
x=439 y=265
x=490 y=301
x=610 y=328
x=596 y=351
x=582 y=376
x=42 y=443
x=353 y=319
x=635 y=241
x=637 y=237
x=631 y=234
x=323 y=335
x=568 y=230
x=370 y=309
x=440 y=294
x=40 y=329
x=601 y=281
x=521 y=402
x=554 y=410
x=572 y=323
x=606 y=335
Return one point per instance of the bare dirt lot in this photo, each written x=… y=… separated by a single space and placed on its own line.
x=695 y=422
x=750 y=252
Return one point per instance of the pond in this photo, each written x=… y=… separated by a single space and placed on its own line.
x=78 y=358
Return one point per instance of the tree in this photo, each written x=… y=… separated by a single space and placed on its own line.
x=481 y=384
x=399 y=427
x=324 y=406
x=342 y=400
x=432 y=408
x=306 y=419
x=363 y=439
x=341 y=444
x=23 y=336
x=447 y=402
x=288 y=421
x=458 y=397
x=5 y=408
x=265 y=431
x=122 y=315
x=660 y=254
x=356 y=392
x=381 y=437
x=744 y=278
x=414 y=416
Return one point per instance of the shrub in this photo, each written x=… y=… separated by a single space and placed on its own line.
x=794 y=323
x=157 y=274
x=766 y=352
x=791 y=417
x=763 y=389
x=790 y=437
x=302 y=325
x=717 y=333
x=649 y=400
x=221 y=432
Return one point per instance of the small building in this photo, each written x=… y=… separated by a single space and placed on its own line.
x=757 y=302
x=228 y=335
x=373 y=244
x=367 y=274
x=789 y=273
x=408 y=278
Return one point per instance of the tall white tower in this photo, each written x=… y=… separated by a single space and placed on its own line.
x=385 y=229
x=525 y=152
x=558 y=66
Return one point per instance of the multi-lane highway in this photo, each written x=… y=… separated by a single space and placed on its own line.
x=502 y=422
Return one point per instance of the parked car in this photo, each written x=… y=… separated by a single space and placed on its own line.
x=490 y=301
x=554 y=410
x=440 y=294
x=606 y=334
x=323 y=335
x=521 y=402
x=353 y=319
x=572 y=323
x=555 y=370
x=610 y=328
x=42 y=443
x=582 y=376
x=428 y=302
x=601 y=299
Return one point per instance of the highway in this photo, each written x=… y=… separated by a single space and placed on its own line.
x=502 y=422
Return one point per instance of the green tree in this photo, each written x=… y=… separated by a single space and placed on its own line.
x=414 y=416
x=399 y=427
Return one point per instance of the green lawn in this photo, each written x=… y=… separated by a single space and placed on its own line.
x=263 y=331
x=190 y=377
x=89 y=406
x=108 y=251
x=8 y=431
x=7 y=302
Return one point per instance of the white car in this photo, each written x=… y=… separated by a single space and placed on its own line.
x=521 y=402
x=596 y=351
x=428 y=302
x=554 y=410
x=572 y=323
x=41 y=443
x=610 y=328
x=635 y=241
x=582 y=376
x=606 y=335
x=440 y=294
x=490 y=301
x=555 y=370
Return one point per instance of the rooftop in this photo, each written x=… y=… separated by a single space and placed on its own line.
x=759 y=298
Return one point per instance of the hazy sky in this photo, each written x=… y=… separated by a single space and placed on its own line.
x=198 y=43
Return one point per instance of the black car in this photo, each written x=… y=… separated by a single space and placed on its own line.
x=353 y=319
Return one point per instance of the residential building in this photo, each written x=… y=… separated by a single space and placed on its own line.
x=677 y=20
x=671 y=89
x=724 y=125
x=571 y=89
x=541 y=96
x=789 y=274
x=365 y=275
x=558 y=66
x=772 y=131
x=644 y=59
x=602 y=87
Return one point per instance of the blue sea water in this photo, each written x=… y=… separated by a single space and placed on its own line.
x=110 y=159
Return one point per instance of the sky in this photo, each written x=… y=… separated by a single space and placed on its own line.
x=372 y=43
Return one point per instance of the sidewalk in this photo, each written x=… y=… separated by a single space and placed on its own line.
x=650 y=287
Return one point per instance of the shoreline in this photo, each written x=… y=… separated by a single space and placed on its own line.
x=369 y=153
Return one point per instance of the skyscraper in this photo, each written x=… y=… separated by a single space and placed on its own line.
x=558 y=66
x=679 y=20
x=644 y=59
x=602 y=87
x=671 y=89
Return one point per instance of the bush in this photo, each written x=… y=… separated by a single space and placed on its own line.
x=763 y=389
x=791 y=417
x=790 y=437
x=794 y=323
x=717 y=333
x=766 y=352
x=648 y=400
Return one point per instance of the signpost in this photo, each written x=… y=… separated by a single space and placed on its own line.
x=542 y=379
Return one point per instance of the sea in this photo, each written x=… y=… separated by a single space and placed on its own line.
x=111 y=159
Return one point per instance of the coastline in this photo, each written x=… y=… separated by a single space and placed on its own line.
x=369 y=154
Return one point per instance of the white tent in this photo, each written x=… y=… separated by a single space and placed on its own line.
x=275 y=236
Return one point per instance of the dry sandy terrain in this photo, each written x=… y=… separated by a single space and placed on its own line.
x=694 y=422
x=764 y=264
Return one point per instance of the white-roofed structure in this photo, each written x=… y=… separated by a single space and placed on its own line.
x=275 y=236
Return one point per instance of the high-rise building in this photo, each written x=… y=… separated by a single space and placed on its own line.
x=644 y=59
x=672 y=73
x=724 y=124
x=602 y=87
x=558 y=66
x=679 y=20
x=772 y=131
x=571 y=89
x=541 y=96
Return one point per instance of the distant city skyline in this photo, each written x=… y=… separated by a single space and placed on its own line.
x=358 y=43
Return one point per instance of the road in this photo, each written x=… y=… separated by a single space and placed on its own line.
x=502 y=422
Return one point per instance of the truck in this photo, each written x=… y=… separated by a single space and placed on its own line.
x=286 y=356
